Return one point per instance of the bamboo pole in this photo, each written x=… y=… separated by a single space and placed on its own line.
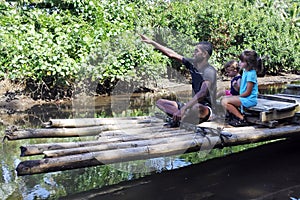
x=38 y=149
x=111 y=156
x=152 y=141
x=84 y=122
x=55 y=132
x=69 y=132
x=119 y=145
x=241 y=136
x=150 y=151
x=133 y=131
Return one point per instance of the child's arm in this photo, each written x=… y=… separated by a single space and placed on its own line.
x=236 y=84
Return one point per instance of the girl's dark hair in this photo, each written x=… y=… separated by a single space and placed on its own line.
x=232 y=63
x=261 y=72
x=253 y=60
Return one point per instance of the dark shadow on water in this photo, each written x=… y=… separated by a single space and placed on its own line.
x=267 y=172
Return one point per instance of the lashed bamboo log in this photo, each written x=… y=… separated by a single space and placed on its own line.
x=38 y=149
x=84 y=122
x=110 y=156
x=119 y=145
x=68 y=132
x=131 y=143
x=239 y=136
x=55 y=132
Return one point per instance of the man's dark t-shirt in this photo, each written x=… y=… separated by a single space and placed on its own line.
x=208 y=73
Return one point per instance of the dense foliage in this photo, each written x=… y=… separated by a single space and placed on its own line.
x=53 y=45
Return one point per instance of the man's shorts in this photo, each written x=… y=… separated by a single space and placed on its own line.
x=206 y=118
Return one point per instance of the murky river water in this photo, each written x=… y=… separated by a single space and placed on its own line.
x=86 y=182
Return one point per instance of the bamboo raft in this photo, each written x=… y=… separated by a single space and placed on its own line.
x=117 y=140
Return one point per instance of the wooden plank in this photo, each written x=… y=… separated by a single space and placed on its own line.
x=267 y=105
x=293 y=86
x=275 y=115
x=291 y=96
x=270 y=109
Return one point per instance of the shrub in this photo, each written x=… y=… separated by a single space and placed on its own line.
x=55 y=44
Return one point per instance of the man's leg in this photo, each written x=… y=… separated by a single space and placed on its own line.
x=204 y=111
x=197 y=114
x=167 y=106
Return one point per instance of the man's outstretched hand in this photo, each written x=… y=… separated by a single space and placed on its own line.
x=145 y=39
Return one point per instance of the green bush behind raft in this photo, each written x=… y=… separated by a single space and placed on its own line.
x=54 y=44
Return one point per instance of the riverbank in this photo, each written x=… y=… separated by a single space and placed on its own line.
x=20 y=102
x=262 y=81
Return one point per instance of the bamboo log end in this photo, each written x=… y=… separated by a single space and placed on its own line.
x=45 y=165
x=23 y=151
x=25 y=168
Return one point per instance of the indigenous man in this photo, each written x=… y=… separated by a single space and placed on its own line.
x=204 y=78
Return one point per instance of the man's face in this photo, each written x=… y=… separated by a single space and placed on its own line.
x=199 y=54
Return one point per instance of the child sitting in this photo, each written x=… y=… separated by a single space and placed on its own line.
x=248 y=88
x=232 y=69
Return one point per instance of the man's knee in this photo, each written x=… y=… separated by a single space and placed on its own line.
x=159 y=102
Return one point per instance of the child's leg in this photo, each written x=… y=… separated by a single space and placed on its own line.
x=231 y=103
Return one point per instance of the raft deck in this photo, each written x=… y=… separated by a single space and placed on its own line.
x=127 y=139
x=272 y=108
x=114 y=140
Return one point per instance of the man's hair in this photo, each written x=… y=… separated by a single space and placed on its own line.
x=207 y=46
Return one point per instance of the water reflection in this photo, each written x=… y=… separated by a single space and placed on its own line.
x=37 y=193
x=55 y=185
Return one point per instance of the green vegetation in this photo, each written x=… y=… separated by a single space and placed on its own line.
x=52 y=45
